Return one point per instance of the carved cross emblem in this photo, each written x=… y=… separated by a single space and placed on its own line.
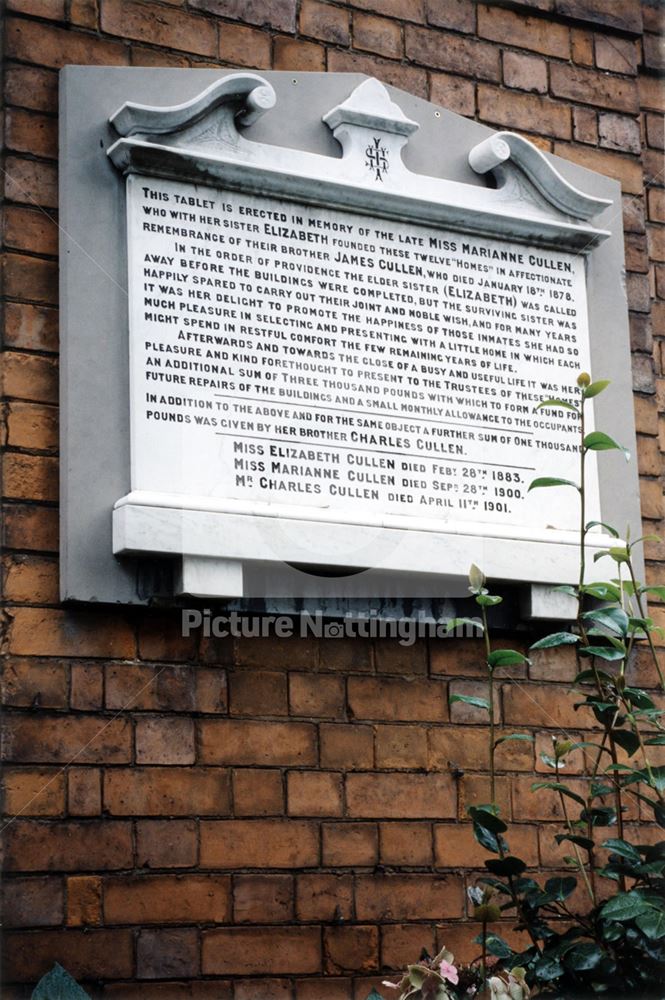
x=377 y=159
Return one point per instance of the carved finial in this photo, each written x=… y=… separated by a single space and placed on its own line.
x=370 y=106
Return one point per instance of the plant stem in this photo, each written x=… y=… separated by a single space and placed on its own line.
x=483 y=968
x=569 y=827
x=490 y=689
x=640 y=608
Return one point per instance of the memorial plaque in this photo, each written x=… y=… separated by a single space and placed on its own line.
x=334 y=362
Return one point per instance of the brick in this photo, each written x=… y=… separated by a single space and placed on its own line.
x=225 y=741
x=542 y=804
x=460 y=15
x=278 y=654
x=390 y=698
x=652 y=93
x=29 y=87
x=330 y=988
x=654 y=54
x=466 y=657
x=409 y=78
x=347 y=746
x=172 y=29
x=84 y=791
x=87 y=682
x=279 y=14
x=622 y=168
x=414 y=11
x=84 y=901
x=347 y=655
x=525 y=72
x=34 y=328
x=538 y=705
x=556 y=664
x=574 y=83
x=160 y=637
x=211 y=690
x=142 y=56
x=619 y=132
x=324 y=897
x=43 y=632
x=463 y=713
x=656 y=238
x=84 y=13
x=573 y=763
x=456 y=94
x=256 y=951
x=636 y=252
x=349 y=844
x=619 y=55
x=377 y=34
x=646 y=415
x=316 y=695
x=395 y=795
x=649 y=457
x=293 y=54
x=406 y=844
x=401 y=747
x=651 y=499
x=261 y=899
x=27 y=682
x=29 y=527
x=167 y=899
x=656 y=204
x=165 y=741
x=656 y=131
x=390 y=656
x=585 y=125
x=68 y=846
x=52 y=9
x=271 y=989
x=149 y=688
x=266 y=843
x=32 y=42
x=626 y=16
x=244 y=46
x=633 y=214
x=311 y=793
x=539 y=35
x=34 y=792
x=408 y=897
x=28 y=132
x=29 y=377
x=258 y=693
x=86 y=954
x=31 y=182
x=401 y=942
x=523 y=111
x=168 y=843
x=452 y=53
x=323 y=21
x=475 y=790
x=32 y=426
x=456 y=847
x=32 y=902
x=643 y=378
x=164 y=953
x=31 y=579
x=257 y=792
x=460 y=936
x=62 y=739
x=581 y=44
x=170 y=791
x=351 y=949
x=652 y=166
x=446 y=751
x=30 y=229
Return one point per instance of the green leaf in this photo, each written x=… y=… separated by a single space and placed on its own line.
x=454 y=623
x=602 y=524
x=584 y=957
x=505 y=658
x=488 y=600
x=652 y=923
x=58 y=985
x=476 y=578
x=574 y=838
x=623 y=849
x=543 y=481
x=638 y=698
x=496 y=946
x=655 y=741
x=470 y=700
x=658 y=591
x=527 y=737
x=595 y=388
x=614 y=619
x=556 y=639
x=547 y=968
x=505 y=866
x=603 y=652
x=624 y=906
x=556 y=786
x=627 y=740
x=556 y=404
x=603 y=591
x=560 y=888
x=598 y=441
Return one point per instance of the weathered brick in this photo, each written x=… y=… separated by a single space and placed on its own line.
x=446 y=751
x=61 y=739
x=211 y=690
x=652 y=49
x=169 y=791
x=29 y=527
x=400 y=942
x=643 y=378
x=656 y=204
x=84 y=900
x=233 y=742
x=31 y=792
x=626 y=16
x=347 y=746
x=401 y=747
x=556 y=664
x=293 y=54
x=452 y=53
x=390 y=698
x=30 y=87
x=413 y=11
x=32 y=902
x=619 y=132
x=43 y=632
x=262 y=843
x=637 y=258
x=243 y=46
x=316 y=695
x=456 y=847
x=33 y=328
x=649 y=456
x=140 y=55
x=30 y=229
x=28 y=682
x=646 y=414
x=406 y=843
x=167 y=899
x=574 y=762
x=475 y=790
x=260 y=692
x=323 y=21
x=30 y=377
x=458 y=95
x=352 y=655
x=150 y=688
x=87 y=686
x=28 y=132
x=575 y=83
x=84 y=791
x=173 y=28
x=324 y=897
x=97 y=845
x=314 y=793
x=86 y=954
x=54 y=10
x=525 y=72
x=619 y=55
x=271 y=989
x=168 y=843
x=31 y=578
x=377 y=34
x=408 y=897
x=330 y=988
x=395 y=795
x=581 y=44
x=656 y=131
x=463 y=713
x=84 y=13
x=410 y=78
x=258 y=792
x=172 y=952
x=460 y=15
x=652 y=93
x=33 y=42
x=160 y=637
x=261 y=899
x=165 y=741
x=351 y=949
x=255 y=951
x=537 y=705
x=512 y=28
x=651 y=498
x=349 y=844
x=623 y=168
x=524 y=111
x=280 y=14
x=31 y=182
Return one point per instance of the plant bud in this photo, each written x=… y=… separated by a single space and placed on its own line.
x=583 y=380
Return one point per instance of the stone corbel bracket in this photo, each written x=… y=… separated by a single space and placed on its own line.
x=200 y=142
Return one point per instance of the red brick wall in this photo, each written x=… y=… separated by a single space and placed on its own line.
x=217 y=812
